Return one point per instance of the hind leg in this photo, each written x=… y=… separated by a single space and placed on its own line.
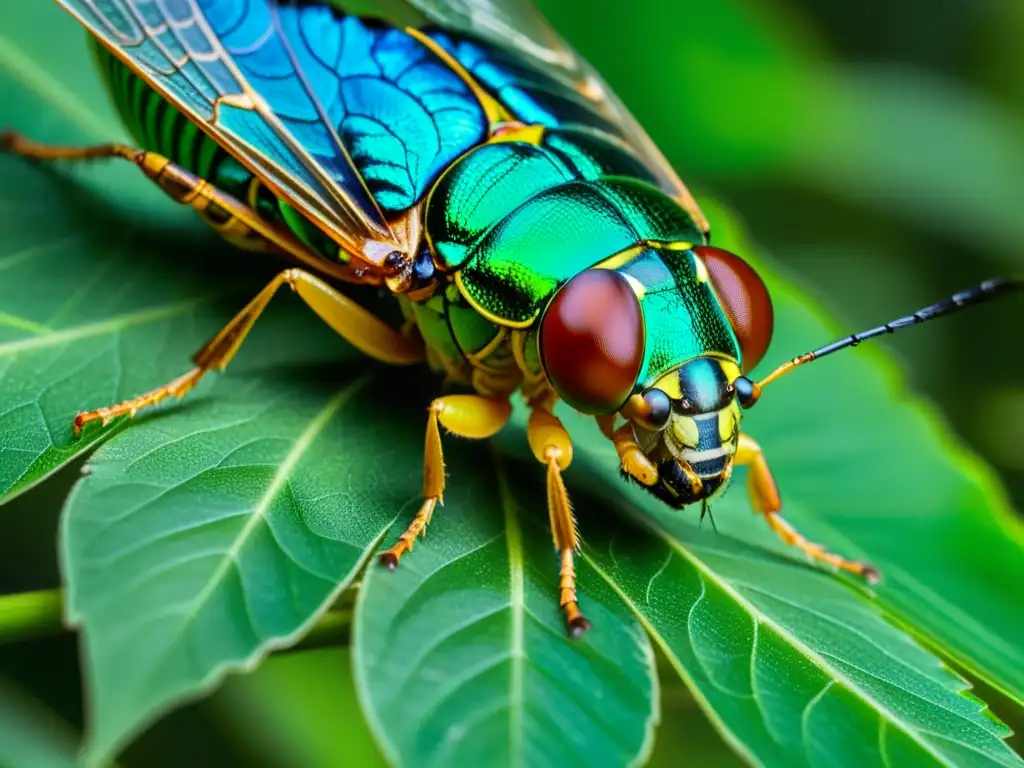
x=355 y=324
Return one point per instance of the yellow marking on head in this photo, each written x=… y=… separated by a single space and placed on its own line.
x=669 y=384
x=729 y=368
x=686 y=431
x=729 y=422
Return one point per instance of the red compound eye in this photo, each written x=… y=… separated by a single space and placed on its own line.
x=745 y=300
x=592 y=341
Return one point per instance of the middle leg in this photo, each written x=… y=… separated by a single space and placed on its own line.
x=552 y=447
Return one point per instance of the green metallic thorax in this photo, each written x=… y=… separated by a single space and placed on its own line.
x=507 y=224
x=513 y=220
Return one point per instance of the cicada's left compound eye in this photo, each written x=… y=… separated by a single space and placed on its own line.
x=592 y=341
x=745 y=300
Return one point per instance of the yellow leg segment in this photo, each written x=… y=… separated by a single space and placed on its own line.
x=632 y=459
x=764 y=496
x=470 y=416
x=552 y=446
x=230 y=218
x=355 y=324
x=17 y=144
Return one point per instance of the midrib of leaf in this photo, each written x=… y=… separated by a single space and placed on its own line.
x=517 y=603
x=277 y=484
x=724 y=731
x=813 y=656
x=111 y=325
x=14 y=61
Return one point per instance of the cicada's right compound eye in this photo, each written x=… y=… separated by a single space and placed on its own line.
x=592 y=341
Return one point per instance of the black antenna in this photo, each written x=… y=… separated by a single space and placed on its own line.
x=988 y=290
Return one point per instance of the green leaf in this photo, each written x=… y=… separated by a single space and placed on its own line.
x=69 y=320
x=461 y=655
x=795 y=670
x=77 y=303
x=274 y=448
x=30 y=735
x=228 y=529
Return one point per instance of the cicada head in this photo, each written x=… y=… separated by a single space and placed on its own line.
x=688 y=422
x=624 y=340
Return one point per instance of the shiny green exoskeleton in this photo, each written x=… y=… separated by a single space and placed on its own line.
x=469 y=165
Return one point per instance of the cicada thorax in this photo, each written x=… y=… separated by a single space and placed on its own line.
x=507 y=220
x=516 y=220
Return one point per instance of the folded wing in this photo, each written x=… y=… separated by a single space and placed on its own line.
x=347 y=121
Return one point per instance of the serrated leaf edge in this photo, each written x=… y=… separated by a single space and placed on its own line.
x=885 y=715
x=214 y=676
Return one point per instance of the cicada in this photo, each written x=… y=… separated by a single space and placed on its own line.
x=464 y=160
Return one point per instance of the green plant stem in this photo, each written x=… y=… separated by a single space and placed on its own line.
x=30 y=615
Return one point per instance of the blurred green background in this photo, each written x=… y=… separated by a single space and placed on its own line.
x=875 y=151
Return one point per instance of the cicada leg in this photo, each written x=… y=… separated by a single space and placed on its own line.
x=231 y=218
x=19 y=145
x=552 y=446
x=355 y=324
x=470 y=416
x=764 y=496
x=632 y=460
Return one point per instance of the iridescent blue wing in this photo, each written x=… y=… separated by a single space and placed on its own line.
x=345 y=120
x=403 y=113
x=538 y=76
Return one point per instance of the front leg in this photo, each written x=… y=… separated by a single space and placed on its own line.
x=632 y=460
x=764 y=496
